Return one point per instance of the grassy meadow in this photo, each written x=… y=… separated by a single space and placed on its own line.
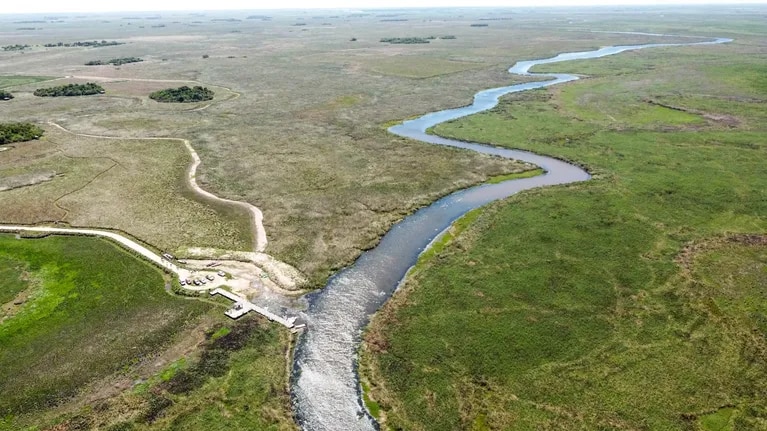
x=632 y=301
x=135 y=186
x=315 y=158
x=89 y=339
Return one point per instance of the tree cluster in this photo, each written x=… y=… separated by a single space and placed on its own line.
x=16 y=47
x=70 y=90
x=183 y=94
x=406 y=40
x=114 y=61
x=18 y=132
x=91 y=44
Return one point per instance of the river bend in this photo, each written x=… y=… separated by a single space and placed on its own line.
x=324 y=384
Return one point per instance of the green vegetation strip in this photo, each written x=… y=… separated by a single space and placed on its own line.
x=526 y=174
x=565 y=308
x=14 y=80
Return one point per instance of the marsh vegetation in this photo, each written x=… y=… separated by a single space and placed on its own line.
x=593 y=305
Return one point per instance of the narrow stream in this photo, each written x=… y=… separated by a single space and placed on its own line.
x=324 y=384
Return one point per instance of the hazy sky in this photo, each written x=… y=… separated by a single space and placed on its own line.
x=24 y=6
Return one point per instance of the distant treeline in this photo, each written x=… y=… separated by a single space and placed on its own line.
x=70 y=90
x=4 y=95
x=263 y=17
x=480 y=25
x=410 y=40
x=393 y=20
x=114 y=61
x=18 y=132
x=16 y=47
x=182 y=94
x=405 y=40
x=91 y=44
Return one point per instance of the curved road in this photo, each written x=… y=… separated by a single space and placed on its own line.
x=257 y=219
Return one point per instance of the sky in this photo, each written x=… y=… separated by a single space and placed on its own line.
x=56 y=6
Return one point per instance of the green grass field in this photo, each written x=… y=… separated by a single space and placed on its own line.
x=569 y=307
x=90 y=310
x=236 y=380
x=14 y=80
x=81 y=319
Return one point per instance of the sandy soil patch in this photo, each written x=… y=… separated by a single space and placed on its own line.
x=22 y=180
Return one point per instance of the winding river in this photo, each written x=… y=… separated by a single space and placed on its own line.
x=324 y=384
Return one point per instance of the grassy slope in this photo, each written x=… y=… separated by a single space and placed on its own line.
x=563 y=308
x=95 y=316
x=237 y=380
x=92 y=311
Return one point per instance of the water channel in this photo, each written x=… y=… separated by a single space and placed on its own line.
x=324 y=384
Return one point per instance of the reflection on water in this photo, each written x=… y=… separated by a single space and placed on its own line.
x=325 y=389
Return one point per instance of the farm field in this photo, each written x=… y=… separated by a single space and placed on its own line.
x=633 y=301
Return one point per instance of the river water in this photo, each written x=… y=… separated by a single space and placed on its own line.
x=324 y=384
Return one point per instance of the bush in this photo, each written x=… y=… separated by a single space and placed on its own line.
x=182 y=95
x=4 y=95
x=114 y=61
x=15 y=47
x=70 y=90
x=405 y=40
x=18 y=132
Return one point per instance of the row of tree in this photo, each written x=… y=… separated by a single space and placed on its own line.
x=16 y=47
x=405 y=40
x=410 y=40
x=183 y=94
x=90 y=44
x=18 y=132
x=70 y=90
x=114 y=61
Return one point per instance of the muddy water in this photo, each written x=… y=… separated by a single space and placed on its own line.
x=324 y=385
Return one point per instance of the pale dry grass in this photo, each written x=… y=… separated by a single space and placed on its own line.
x=135 y=186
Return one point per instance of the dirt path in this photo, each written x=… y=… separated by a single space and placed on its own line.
x=257 y=219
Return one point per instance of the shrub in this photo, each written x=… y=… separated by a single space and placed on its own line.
x=18 y=132
x=182 y=95
x=70 y=90
x=405 y=40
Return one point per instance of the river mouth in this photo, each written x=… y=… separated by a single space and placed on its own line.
x=325 y=389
